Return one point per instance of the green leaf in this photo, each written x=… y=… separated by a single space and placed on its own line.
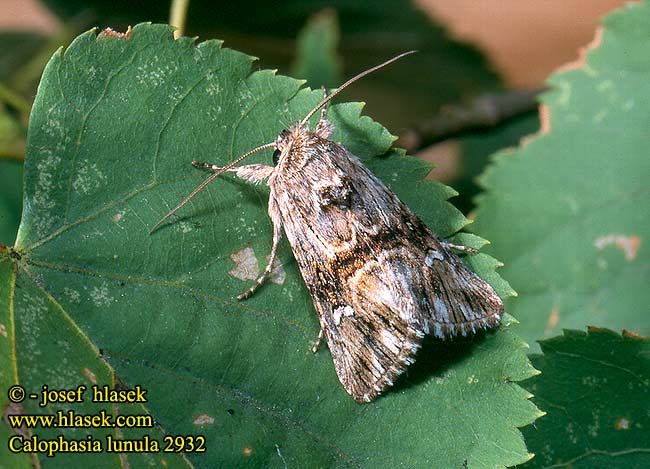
x=11 y=175
x=567 y=212
x=316 y=57
x=372 y=31
x=595 y=387
x=113 y=130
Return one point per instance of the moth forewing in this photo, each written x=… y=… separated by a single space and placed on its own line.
x=379 y=278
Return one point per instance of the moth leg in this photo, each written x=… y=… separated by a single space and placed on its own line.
x=254 y=173
x=318 y=341
x=458 y=247
x=277 y=235
x=210 y=166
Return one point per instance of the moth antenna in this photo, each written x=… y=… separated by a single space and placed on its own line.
x=352 y=80
x=271 y=145
x=208 y=181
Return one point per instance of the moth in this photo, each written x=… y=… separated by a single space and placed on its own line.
x=379 y=278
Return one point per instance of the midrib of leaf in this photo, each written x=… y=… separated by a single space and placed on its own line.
x=11 y=286
x=65 y=227
x=170 y=284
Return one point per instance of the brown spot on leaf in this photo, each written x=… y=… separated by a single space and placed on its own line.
x=90 y=375
x=110 y=32
x=247 y=451
x=246 y=265
x=622 y=424
x=203 y=419
x=629 y=244
x=3 y=330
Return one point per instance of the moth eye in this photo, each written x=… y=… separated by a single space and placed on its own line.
x=276 y=156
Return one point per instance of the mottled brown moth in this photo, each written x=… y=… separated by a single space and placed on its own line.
x=379 y=278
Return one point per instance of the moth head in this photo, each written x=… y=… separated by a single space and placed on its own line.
x=282 y=144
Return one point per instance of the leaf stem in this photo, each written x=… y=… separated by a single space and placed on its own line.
x=486 y=111
x=178 y=16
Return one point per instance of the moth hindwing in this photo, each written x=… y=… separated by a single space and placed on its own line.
x=379 y=278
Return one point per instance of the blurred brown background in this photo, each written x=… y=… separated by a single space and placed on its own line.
x=524 y=39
